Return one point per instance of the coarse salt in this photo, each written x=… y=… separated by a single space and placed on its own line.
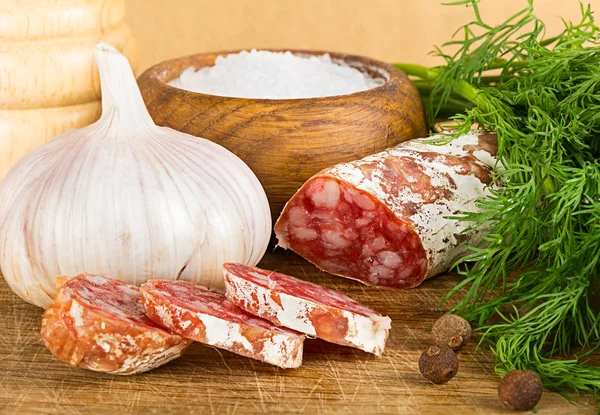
x=275 y=75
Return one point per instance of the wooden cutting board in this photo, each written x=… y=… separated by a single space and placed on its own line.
x=333 y=379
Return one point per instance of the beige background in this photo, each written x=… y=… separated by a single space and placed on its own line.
x=392 y=30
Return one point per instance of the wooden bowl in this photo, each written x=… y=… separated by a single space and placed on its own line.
x=286 y=141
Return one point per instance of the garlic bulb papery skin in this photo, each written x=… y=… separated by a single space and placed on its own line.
x=128 y=199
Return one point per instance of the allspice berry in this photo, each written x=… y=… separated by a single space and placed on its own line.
x=438 y=364
x=520 y=390
x=451 y=331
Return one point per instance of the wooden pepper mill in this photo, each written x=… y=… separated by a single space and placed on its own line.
x=48 y=78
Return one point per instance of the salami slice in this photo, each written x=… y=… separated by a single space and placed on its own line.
x=306 y=307
x=98 y=323
x=207 y=316
x=386 y=219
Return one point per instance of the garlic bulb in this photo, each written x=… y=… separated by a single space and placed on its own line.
x=126 y=198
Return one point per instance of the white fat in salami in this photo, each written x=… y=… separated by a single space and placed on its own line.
x=386 y=219
x=207 y=316
x=98 y=323
x=306 y=307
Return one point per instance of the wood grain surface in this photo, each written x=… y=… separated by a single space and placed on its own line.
x=286 y=141
x=333 y=379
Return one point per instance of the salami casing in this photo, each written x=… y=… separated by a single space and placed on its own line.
x=386 y=219
x=207 y=316
x=306 y=307
x=98 y=323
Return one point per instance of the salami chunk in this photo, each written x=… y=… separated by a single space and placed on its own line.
x=387 y=219
x=98 y=323
x=207 y=316
x=306 y=307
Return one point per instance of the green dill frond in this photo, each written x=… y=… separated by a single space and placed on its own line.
x=530 y=288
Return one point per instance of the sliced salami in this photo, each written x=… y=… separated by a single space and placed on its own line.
x=98 y=323
x=306 y=307
x=386 y=219
x=207 y=316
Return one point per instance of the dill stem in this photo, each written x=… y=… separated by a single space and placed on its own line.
x=424 y=86
x=429 y=75
x=420 y=71
x=470 y=93
x=494 y=78
x=500 y=63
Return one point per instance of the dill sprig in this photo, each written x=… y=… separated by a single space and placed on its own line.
x=530 y=289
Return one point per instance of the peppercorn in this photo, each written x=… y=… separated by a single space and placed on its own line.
x=520 y=390
x=451 y=331
x=438 y=364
